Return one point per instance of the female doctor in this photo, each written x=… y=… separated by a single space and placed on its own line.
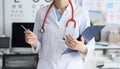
x=56 y=28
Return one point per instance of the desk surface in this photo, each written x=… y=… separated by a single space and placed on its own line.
x=23 y=54
x=108 y=62
x=107 y=46
x=114 y=47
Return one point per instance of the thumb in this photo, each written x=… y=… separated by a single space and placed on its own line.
x=82 y=38
x=29 y=31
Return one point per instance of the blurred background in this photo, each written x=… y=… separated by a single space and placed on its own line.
x=15 y=53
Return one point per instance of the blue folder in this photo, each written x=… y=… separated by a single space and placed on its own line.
x=87 y=34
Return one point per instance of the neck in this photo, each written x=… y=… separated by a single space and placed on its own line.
x=61 y=5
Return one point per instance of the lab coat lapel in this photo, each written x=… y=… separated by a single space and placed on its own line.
x=66 y=16
x=52 y=16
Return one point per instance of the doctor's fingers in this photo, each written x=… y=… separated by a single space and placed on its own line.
x=31 y=41
x=82 y=38
x=70 y=38
x=70 y=44
x=30 y=37
x=28 y=32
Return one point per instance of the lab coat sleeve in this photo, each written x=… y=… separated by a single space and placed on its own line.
x=37 y=26
x=85 y=23
x=90 y=46
x=38 y=47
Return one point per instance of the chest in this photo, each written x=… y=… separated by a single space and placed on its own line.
x=53 y=26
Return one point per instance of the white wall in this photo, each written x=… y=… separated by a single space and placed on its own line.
x=21 y=11
x=1 y=18
x=28 y=15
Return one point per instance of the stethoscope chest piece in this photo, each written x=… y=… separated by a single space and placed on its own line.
x=42 y=30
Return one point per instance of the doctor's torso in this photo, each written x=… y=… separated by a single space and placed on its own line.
x=52 y=43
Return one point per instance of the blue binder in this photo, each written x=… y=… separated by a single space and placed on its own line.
x=88 y=34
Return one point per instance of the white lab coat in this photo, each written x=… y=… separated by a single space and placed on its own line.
x=51 y=45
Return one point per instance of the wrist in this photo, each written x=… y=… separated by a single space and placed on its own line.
x=84 y=49
x=34 y=45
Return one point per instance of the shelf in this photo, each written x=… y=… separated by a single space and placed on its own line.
x=20 y=60
x=103 y=46
x=106 y=61
x=107 y=47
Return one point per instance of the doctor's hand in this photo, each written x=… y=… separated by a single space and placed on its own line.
x=30 y=38
x=74 y=44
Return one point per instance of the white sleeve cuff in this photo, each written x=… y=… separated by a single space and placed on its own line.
x=84 y=55
x=90 y=48
x=37 y=48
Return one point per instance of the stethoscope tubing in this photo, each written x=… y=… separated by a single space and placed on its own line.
x=70 y=20
x=45 y=18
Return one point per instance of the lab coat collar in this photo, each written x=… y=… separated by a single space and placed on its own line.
x=54 y=18
x=67 y=9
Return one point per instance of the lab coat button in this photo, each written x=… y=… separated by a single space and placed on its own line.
x=56 y=50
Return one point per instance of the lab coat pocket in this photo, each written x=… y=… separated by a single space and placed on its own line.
x=50 y=29
x=64 y=61
x=46 y=36
x=70 y=28
x=76 y=61
x=76 y=32
x=44 y=64
x=47 y=31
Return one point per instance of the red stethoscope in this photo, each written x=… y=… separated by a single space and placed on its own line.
x=71 y=20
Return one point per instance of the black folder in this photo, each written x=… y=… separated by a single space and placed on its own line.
x=87 y=34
